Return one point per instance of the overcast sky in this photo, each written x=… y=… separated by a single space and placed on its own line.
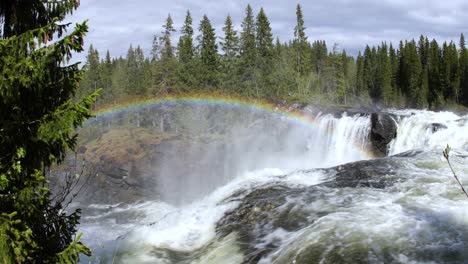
x=115 y=24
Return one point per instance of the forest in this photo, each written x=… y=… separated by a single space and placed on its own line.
x=251 y=63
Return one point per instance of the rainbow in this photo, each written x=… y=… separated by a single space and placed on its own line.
x=291 y=115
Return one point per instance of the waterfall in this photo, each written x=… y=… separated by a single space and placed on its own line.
x=340 y=140
x=254 y=187
x=428 y=130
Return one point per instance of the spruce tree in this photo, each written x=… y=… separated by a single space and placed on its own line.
x=92 y=75
x=450 y=76
x=435 y=92
x=230 y=48
x=230 y=42
x=107 y=93
x=393 y=60
x=300 y=44
x=247 y=50
x=412 y=74
x=19 y=16
x=359 y=85
x=37 y=129
x=186 y=48
x=186 y=72
x=463 y=65
x=165 y=69
x=167 y=49
x=264 y=43
x=209 y=62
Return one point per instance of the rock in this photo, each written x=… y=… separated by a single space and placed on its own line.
x=437 y=126
x=114 y=171
x=376 y=173
x=81 y=150
x=383 y=130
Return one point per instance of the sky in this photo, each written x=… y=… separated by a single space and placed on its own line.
x=352 y=24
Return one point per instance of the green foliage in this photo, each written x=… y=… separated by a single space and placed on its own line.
x=414 y=74
x=20 y=16
x=248 y=51
x=230 y=58
x=37 y=123
x=209 y=61
x=265 y=49
x=300 y=44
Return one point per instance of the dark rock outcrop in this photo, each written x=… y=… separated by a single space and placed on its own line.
x=291 y=208
x=437 y=126
x=383 y=130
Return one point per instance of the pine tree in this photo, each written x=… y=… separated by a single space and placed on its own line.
x=300 y=44
x=209 y=62
x=37 y=129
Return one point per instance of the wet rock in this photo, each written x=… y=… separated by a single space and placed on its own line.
x=377 y=173
x=253 y=219
x=114 y=171
x=383 y=130
x=437 y=126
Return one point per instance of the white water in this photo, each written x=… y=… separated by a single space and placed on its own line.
x=415 y=131
x=419 y=213
x=338 y=140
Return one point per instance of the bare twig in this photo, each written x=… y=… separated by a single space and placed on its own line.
x=446 y=153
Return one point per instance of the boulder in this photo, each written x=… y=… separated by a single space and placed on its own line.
x=437 y=126
x=383 y=130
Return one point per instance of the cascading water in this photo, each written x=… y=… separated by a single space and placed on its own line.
x=429 y=130
x=275 y=199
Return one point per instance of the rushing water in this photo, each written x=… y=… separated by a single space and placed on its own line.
x=290 y=205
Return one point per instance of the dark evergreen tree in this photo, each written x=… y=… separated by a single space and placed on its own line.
x=230 y=48
x=300 y=44
x=393 y=60
x=186 y=53
x=435 y=95
x=463 y=69
x=264 y=43
x=247 y=50
x=359 y=85
x=412 y=76
x=17 y=17
x=37 y=130
x=450 y=76
x=165 y=69
x=93 y=74
x=209 y=61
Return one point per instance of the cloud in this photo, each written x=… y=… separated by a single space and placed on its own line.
x=115 y=24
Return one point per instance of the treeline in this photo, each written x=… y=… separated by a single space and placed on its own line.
x=252 y=64
x=421 y=75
